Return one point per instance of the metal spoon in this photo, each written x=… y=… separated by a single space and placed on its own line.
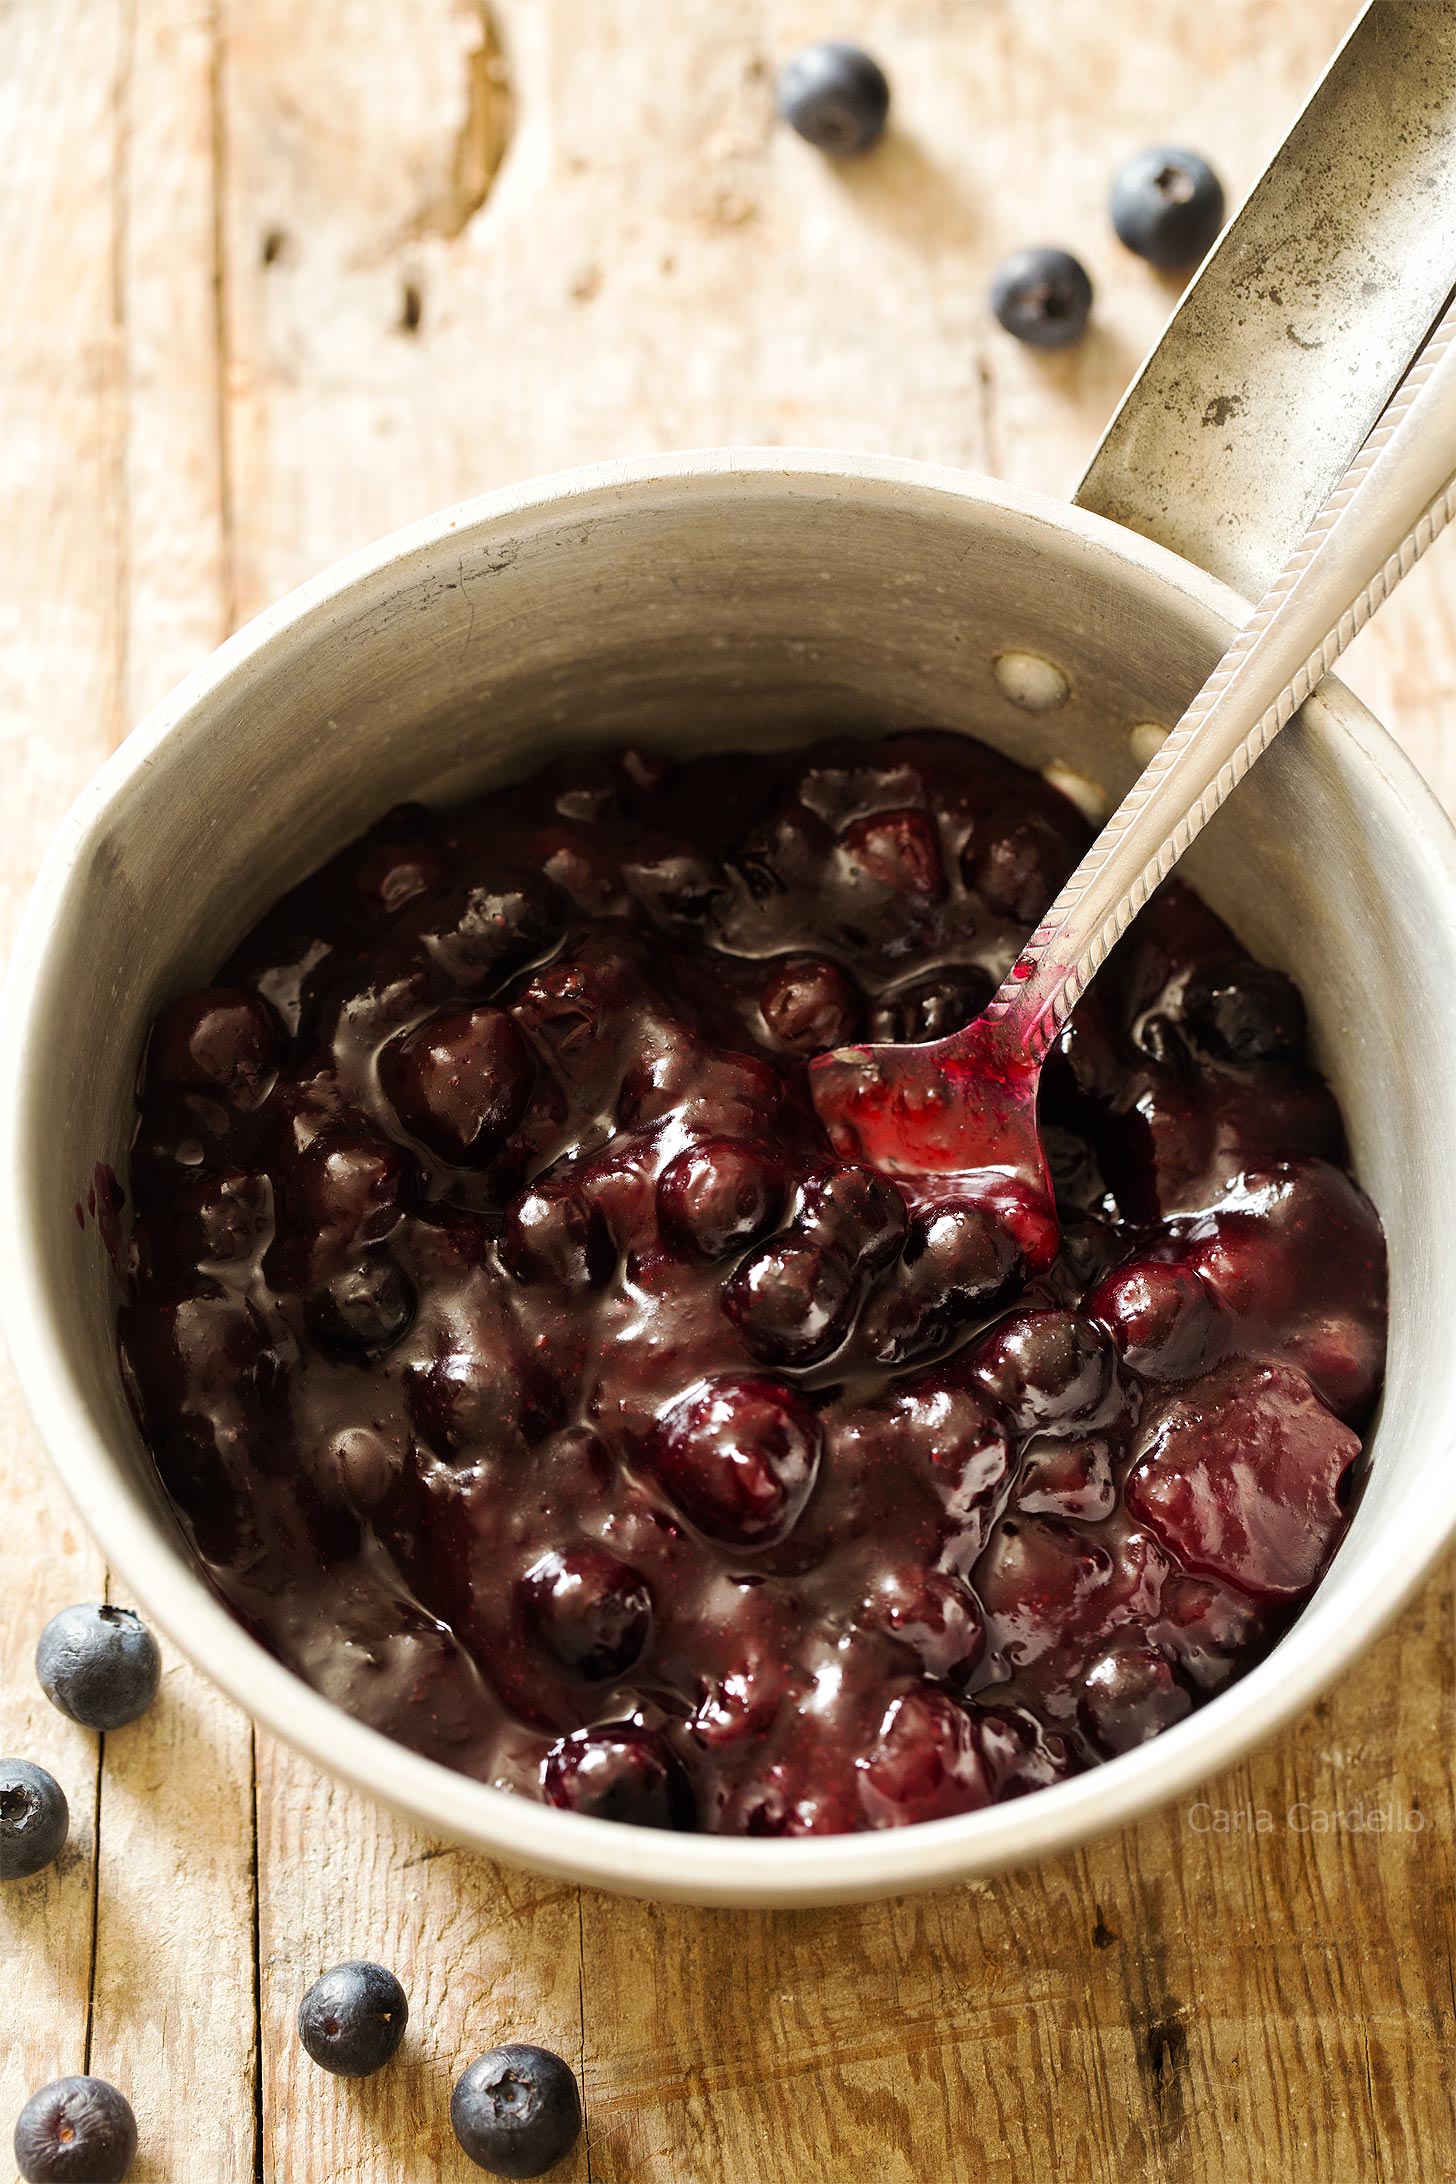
x=965 y=1106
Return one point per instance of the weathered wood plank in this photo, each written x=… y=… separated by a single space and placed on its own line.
x=653 y=264
x=174 y=2006
x=59 y=651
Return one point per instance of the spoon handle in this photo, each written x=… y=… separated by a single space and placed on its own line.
x=1396 y=497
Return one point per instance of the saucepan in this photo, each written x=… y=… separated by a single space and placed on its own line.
x=735 y=598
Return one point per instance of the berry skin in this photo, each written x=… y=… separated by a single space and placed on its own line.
x=516 y=2110
x=594 y=1612
x=790 y=1302
x=34 y=1819
x=835 y=96
x=461 y=1082
x=364 y=1310
x=856 y=1213
x=1128 y=1694
x=1240 y=1479
x=1043 y=297
x=739 y=1455
x=75 y=2131
x=618 y=1772
x=1247 y=1013
x=348 y=1187
x=220 y=1041
x=1167 y=206
x=899 y=850
x=98 y=1664
x=1048 y=1368
x=810 y=1005
x=352 y=2019
x=553 y=1233
x=927 y=1763
x=718 y=1196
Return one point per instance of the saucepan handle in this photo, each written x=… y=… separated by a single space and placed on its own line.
x=1290 y=341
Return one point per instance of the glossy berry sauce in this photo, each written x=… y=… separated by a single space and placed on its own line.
x=531 y=1377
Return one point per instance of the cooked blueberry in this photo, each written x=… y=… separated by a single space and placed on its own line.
x=1246 y=1013
x=75 y=2131
x=366 y=1309
x=927 y=1762
x=855 y=1213
x=593 y=1610
x=896 y=849
x=220 y=1041
x=348 y=1187
x=1167 y=205
x=492 y=1274
x=1043 y=297
x=516 y=2110
x=364 y=1466
x=220 y=1219
x=461 y=1082
x=618 y=1772
x=352 y=2019
x=1016 y=866
x=98 y=1664
x=811 y=1005
x=718 y=1196
x=739 y=1455
x=790 y=1302
x=34 y=1819
x=934 y=1614
x=1128 y=1694
x=1046 y=1367
x=835 y=96
x=555 y=1233
x=1162 y=1318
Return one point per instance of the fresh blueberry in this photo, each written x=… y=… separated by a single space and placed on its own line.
x=1043 y=297
x=516 y=2110
x=34 y=1819
x=835 y=96
x=98 y=1664
x=1167 y=205
x=352 y=2019
x=75 y=2131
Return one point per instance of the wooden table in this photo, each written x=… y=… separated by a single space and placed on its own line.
x=276 y=277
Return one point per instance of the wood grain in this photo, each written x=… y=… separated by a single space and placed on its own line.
x=59 y=660
x=279 y=279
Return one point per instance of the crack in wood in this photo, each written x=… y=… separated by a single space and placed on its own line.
x=484 y=133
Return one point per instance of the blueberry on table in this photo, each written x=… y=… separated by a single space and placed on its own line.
x=98 y=1664
x=1043 y=297
x=352 y=2019
x=75 y=2131
x=516 y=2110
x=835 y=96
x=1167 y=205
x=34 y=1819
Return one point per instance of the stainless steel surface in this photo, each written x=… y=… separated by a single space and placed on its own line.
x=1395 y=498
x=1283 y=353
